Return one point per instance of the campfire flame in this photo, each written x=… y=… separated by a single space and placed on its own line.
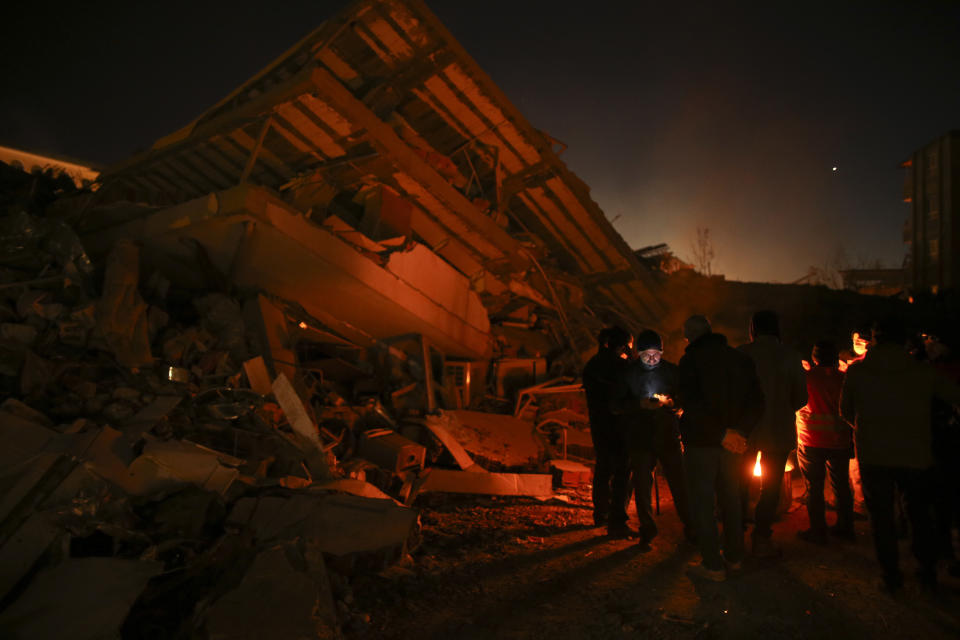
x=756 y=468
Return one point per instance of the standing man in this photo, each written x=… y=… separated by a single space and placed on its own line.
x=611 y=473
x=643 y=401
x=887 y=397
x=785 y=392
x=721 y=401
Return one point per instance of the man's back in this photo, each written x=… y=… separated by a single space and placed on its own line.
x=784 y=390
x=718 y=390
x=887 y=397
x=599 y=376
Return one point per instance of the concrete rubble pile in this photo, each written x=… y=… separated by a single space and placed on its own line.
x=233 y=366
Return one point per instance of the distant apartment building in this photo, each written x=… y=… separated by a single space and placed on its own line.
x=932 y=231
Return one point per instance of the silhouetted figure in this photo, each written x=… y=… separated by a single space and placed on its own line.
x=784 y=391
x=722 y=402
x=643 y=401
x=887 y=398
x=611 y=473
x=946 y=452
x=825 y=443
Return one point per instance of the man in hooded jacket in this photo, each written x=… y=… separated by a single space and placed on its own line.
x=887 y=398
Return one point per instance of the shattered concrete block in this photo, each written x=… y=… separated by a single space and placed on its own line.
x=281 y=595
x=567 y=473
x=83 y=599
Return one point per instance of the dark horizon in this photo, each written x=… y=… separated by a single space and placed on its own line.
x=724 y=117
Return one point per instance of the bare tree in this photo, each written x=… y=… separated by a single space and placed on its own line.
x=702 y=247
x=829 y=273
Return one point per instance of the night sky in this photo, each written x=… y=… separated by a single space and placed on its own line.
x=677 y=116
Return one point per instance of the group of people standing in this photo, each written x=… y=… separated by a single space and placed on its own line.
x=706 y=419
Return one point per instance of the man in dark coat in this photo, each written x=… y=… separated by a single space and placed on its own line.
x=611 y=473
x=887 y=398
x=780 y=370
x=722 y=401
x=643 y=401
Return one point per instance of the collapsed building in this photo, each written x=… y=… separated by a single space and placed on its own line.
x=239 y=359
x=234 y=365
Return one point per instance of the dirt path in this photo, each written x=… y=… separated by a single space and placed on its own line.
x=511 y=568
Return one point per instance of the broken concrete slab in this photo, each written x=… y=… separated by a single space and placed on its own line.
x=84 y=599
x=168 y=465
x=317 y=267
x=504 y=439
x=121 y=312
x=338 y=524
x=439 y=425
x=281 y=596
x=352 y=486
x=535 y=485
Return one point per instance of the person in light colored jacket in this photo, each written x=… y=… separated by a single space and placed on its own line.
x=780 y=370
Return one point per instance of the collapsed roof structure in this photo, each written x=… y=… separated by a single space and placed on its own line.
x=376 y=176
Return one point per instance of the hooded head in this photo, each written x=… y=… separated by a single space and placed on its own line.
x=695 y=327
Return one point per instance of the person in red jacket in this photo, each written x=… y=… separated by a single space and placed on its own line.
x=825 y=443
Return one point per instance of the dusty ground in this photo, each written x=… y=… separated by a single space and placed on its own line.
x=516 y=568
